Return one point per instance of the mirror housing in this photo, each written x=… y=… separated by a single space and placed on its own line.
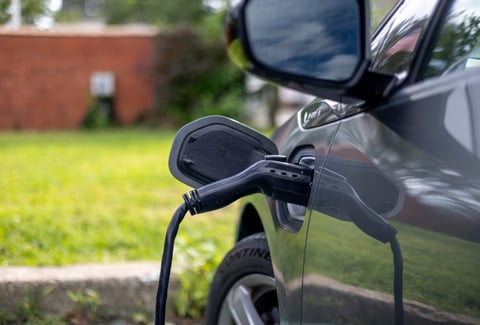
x=214 y=148
x=317 y=47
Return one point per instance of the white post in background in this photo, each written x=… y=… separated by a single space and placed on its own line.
x=16 y=10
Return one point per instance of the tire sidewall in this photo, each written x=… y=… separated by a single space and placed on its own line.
x=251 y=255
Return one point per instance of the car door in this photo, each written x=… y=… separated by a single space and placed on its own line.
x=414 y=160
x=287 y=230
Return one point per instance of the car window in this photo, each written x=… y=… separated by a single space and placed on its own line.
x=394 y=46
x=458 y=45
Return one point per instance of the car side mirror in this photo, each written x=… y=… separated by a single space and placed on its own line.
x=214 y=148
x=318 y=47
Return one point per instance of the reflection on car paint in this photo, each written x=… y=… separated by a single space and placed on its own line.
x=439 y=195
x=322 y=111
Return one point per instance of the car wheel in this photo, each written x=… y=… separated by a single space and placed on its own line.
x=243 y=290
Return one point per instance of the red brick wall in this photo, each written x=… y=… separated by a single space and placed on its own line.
x=45 y=79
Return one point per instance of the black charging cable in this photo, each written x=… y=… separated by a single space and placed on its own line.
x=397 y=281
x=164 y=278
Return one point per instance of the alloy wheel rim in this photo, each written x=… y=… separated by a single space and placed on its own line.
x=251 y=300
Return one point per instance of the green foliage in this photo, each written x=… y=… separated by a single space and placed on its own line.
x=195 y=78
x=199 y=254
x=29 y=312
x=87 y=305
x=31 y=9
x=154 y=12
x=87 y=301
x=459 y=37
x=142 y=315
x=71 y=11
x=4 y=15
x=161 y=13
x=99 y=115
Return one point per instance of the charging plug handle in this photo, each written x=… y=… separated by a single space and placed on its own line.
x=279 y=180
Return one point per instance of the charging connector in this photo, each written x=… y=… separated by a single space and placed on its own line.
x=273 y=177
x=277 y=179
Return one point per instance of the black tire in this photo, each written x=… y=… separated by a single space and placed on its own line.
x=244 y=280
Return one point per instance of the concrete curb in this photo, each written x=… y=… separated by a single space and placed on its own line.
x=123 y=288
x=128 y=288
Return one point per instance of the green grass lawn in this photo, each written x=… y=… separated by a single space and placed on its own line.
x=76 y=197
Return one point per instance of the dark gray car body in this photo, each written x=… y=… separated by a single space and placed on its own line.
x=413 y=158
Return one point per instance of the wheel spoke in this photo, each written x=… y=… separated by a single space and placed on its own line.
x=242 y=308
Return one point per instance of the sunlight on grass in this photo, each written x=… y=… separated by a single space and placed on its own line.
x=90 y=197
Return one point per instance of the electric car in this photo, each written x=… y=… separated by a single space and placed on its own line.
x=393 y=145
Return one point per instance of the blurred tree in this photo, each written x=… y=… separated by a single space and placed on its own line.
x=4 y=15
x=31 y=9
x=78 y=10
x=168 y=13
x=459 y=38
x=162 y=13
x=194 y=78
